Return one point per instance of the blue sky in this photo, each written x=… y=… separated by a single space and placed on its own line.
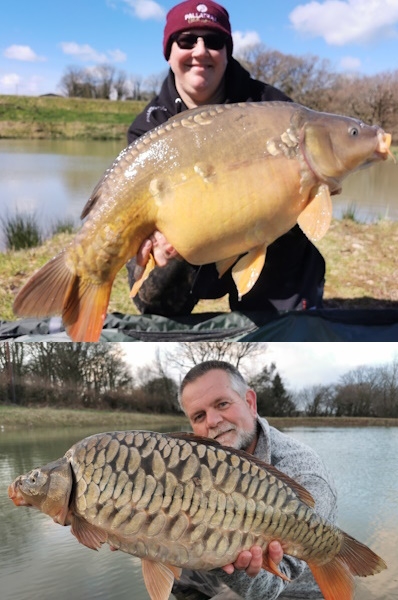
x=41 y=38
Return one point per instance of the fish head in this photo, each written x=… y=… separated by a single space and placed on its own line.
x=46 y=488
x=334 y=146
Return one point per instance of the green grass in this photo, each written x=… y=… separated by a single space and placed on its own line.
x=20 y=417
x=21 y=231
x=68 y=118
x=15 y=417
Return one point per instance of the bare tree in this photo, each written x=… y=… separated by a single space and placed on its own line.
x=188 y=354
x=120 y=85
x=317 y=400
x=136 y=85
x=154 y=82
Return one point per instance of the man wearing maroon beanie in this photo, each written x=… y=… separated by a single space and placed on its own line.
x=191 y=15
x=197 y=44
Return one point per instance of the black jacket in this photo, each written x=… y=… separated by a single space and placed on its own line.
x=294 y=270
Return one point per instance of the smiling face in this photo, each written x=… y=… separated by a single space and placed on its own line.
x=217 y=411
x=198 y=72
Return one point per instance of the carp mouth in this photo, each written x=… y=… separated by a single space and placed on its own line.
x=383 y=147
x=14 y=493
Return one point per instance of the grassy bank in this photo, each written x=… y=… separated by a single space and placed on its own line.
x=16 y=417
x=361 y=259
x=50 y=117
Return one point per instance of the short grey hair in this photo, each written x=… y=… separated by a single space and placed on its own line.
x=238 y=383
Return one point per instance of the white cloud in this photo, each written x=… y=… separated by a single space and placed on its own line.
x=117 y=56
x=244 y=41
x=10 y=80
x=86 y=53
x=341 y=22
x=82 y=52
x=350 y=63
x=146 y=9
x=24 y=53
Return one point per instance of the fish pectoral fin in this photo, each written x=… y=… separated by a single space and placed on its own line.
x=150 y=265
x=222 y=266
x=248 y=268
x=316 y=217
x=271 y=567
x=159 y=578
x=88 y=535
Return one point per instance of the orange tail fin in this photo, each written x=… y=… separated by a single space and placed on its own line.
x=55 y=289
x=336 y=578
x=85 y=310
x=45 y=292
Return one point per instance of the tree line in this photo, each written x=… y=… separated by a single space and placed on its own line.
x=307 y=79
x=98 y=376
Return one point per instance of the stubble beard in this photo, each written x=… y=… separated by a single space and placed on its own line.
x=243 y=438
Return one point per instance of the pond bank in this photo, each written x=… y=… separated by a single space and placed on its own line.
x=21 y=417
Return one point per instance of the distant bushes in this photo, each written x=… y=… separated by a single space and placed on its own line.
x=22 y=230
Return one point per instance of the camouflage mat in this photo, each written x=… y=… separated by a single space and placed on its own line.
x=306 y=326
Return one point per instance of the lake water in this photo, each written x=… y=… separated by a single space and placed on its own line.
x=39 y=559
x=53 y=179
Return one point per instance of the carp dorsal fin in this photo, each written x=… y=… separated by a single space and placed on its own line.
x=316 y=217
x=150 y=265
x=88 y=535
x=303 y=494
x=159 y=578
x=248 y=268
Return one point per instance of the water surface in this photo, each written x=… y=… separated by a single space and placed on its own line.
x=53 y=179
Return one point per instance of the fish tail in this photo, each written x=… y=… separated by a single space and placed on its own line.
x=56 y=289
x=85 y=311
x=44 y=293
x=336 y=578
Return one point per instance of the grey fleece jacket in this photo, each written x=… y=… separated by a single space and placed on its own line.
x=304 y=465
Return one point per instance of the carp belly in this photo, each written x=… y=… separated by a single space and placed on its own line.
x=218 y=213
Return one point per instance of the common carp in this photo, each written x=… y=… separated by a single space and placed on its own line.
x=177 y=500
x=219 y=182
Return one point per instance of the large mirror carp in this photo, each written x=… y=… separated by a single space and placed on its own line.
x=219 y=182
x=177 y=500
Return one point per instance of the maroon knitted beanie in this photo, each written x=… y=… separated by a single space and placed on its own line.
x=193 y=15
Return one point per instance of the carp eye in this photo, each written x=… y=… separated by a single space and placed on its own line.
x=353 y=131
x=33 y=477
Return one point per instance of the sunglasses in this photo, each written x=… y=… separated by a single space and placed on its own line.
x=212 y=41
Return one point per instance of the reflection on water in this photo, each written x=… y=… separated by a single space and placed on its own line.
x=39 y=559
x=51 y=179
x=54 y=178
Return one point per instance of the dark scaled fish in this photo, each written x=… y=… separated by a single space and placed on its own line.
x=180 y=501
x=219 y=182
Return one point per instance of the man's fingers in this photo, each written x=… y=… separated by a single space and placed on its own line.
x=143 y=253
x=275 y=552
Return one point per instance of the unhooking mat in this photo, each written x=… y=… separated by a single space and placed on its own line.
x=331 y=325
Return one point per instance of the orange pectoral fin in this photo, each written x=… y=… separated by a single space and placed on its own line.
x=159 y=578
x=150 y=265
x=272 y=567
x=316 y=217
x=88 y=535
x=248 y=268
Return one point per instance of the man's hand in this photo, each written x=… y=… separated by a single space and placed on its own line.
x=251 y=560
x=161 y=250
